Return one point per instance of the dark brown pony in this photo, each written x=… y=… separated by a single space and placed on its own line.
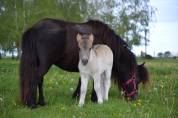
x=52 y=41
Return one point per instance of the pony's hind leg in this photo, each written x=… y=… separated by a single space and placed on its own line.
x=97 y=87
x=41 y=100
x=42 y=70
x=83 y=89
x=31 y=102
x=107 y=83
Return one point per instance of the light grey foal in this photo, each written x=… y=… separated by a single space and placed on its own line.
x=94 y=62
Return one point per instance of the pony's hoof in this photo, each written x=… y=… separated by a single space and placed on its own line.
x=41 y=103
x=133 y=98
x=94 y=98
x=75 y=96
x=33 y=106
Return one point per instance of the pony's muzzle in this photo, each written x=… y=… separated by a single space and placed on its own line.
x=133 y=97
x=84 y=61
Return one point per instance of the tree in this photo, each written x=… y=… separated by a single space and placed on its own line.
x=160 y=54
x=167 y=54
x=17 y=15
x=135 y=16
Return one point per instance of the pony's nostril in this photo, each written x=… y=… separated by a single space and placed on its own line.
x=84 y=61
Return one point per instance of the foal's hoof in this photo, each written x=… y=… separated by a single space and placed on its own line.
x=75 y=96
x=80 y=105
x=100 y=102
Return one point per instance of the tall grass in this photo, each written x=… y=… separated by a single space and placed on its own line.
x=158 y=100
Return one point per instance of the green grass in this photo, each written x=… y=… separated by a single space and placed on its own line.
x=158 y=100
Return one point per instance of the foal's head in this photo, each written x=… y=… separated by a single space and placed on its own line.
x=85 y=42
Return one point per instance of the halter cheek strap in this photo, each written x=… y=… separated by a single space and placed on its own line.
x=131 y=81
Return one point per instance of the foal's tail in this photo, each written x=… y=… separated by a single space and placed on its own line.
x=143 y=74
x=28 y=63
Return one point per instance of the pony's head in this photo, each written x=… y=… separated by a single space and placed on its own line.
x=85 y=43
x=139 y=74
x=130 y=86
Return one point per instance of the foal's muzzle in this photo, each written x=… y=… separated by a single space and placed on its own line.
x=84 y=61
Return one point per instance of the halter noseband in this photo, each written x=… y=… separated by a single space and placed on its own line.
x=131 y=81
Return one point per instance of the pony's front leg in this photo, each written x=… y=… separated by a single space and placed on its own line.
x=76 y=93
x=97 y=87
x=83 y=89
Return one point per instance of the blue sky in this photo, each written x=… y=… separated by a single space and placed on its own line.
x=164 y=31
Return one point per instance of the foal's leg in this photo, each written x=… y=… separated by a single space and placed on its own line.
x=107 y=83
x=41 y=96
x=102 y=84
x=76 y=93
x=83 y=90
x=97 y=87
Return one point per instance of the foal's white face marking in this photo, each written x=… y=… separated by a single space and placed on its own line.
x=85 y=43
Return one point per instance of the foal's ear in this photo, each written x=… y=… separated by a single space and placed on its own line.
x=78 y=37
x=91 y=37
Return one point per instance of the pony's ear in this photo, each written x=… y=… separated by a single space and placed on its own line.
x=91 y=37
x=78 y=37
x=143 y=64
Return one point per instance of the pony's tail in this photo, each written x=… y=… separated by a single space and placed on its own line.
x=28 y=62
x=143 y=74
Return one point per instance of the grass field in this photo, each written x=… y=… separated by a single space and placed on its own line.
x=158 y=100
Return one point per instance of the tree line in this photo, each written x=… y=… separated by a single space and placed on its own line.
x=129 y=18
x=166 y=54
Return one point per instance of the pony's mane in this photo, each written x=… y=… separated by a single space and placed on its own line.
x=107 y=29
